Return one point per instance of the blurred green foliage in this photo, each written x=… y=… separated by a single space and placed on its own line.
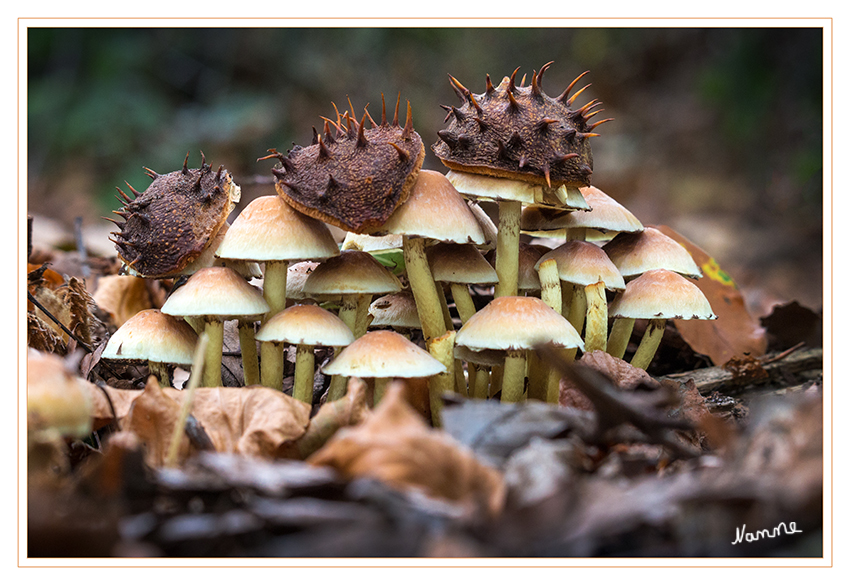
x=104 y=102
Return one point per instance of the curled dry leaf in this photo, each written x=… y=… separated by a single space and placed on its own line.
x=122 y=297
x=621 y=373
x=396 y=446
x=349 y=411
x=255 y=421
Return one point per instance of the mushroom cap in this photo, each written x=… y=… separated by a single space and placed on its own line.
x=216 y=292
x=489 y=188
x=435 y=210
x=173 y=221
x=296 y=276
x=487 y=226
x=367 y=243
x=460 y=263
x=517 y=323
x=661 y=294
x=395 y=310
x=384 y=354
x=583 y=263
x=306 y=325
x=636 y=253
x=154 y=336
x=268 y=229
x=527 y=278
x=605 y=215
x=352 y=272
x=57 y=402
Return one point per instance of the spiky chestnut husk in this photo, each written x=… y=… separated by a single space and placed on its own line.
x=168 y=225
x=353 y=178
x=519 y=132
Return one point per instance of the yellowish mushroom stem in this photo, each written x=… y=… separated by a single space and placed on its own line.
x=463 y=301
x=363 y=318
x=507 y=248
x=198 y=366
x=442 y=348
x=513 y=376
x=576 y=315
x=248 y=347
x=302 y=384
x=348 y=315
x=271 y=354
x=424 y=289
x=538 y=377
x=649 y=343
x=550 y=284
x=481 y=388
x=621 y=332
x=596 y=328
x=160 y=370
x=444 y=306
x=212 y=370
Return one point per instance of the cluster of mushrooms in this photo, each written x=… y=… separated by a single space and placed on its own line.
x=513 y=145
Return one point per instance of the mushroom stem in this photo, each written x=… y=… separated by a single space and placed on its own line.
x=596 y=329
x=621 y=332
x=496 y=376
x=348 y=314
x=248 y=347
x=507 y=248
x=513 y=376
x=577 y=313
x=302 y=385
x=363 y=318
x=380 y=389
x=538 y=377
x=212 y=358
x=160 y=370
x=481 y=390
x=274 y=291
x=463 y=301
x=442 y=348
x=649 y=343
x=444 y=306
x=423 y=287
x=550 y=284
x=271 y=374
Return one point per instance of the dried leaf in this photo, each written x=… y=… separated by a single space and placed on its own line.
x=621 y=373
x=735 y=332
x=395 y=446
x=792 y=323
x=122 y=297
x=152 y=417
x=42 y=337
x=349 y=411
x=78 y=300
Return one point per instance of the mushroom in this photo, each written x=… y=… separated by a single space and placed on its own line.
x=633 y=254
x=460 y=265
x=270 y=231
x=156 y=338
x=588 y=269
x=216 y=294
x=383 y=355
x=434 y=210
x=515 y=325
x=58 y=403
x=516 y=145
x=306 y=326
x=397 y=310
x=659 y=295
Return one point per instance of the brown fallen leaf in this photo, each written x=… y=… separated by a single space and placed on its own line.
x=122 y=297
x=735 y=332
x=349 y=411
x=396 y=446
x=255 y=421
x=621 y=373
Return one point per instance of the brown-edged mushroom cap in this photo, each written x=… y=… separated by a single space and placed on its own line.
x=172 y=221
x=154 y=337
x=459 y=263
x=384 y=354
x=353 y=177
x=518 y=132
x=352 y=272
x=270 y=230
x=582 y=263
x=486 y=188
x=634 y=254
x=605 y=215
x=661 y=294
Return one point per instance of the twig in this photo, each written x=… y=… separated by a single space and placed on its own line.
x=784 y=354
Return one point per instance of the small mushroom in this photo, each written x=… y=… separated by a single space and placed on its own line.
x=156 y=338
x=305 y=326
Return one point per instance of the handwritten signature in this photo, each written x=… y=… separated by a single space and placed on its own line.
x=742 y=535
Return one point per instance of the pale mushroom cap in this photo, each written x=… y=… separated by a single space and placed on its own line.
x=517 y=323
x=152 y=335
x=384 y=354
x=487 y=226
x=605 y=214
x=583 y=263
x=268 y=229
x=435 y=210
x=367 y=243
x=57 y=402
x=634 y=254
x=492 y=188
x=661 y=294
x=216 y=292
x=306 y=325
x=460 y=263
x=352 y=272
x=395 y=310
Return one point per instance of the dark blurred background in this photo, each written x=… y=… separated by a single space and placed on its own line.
x=718 y=133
